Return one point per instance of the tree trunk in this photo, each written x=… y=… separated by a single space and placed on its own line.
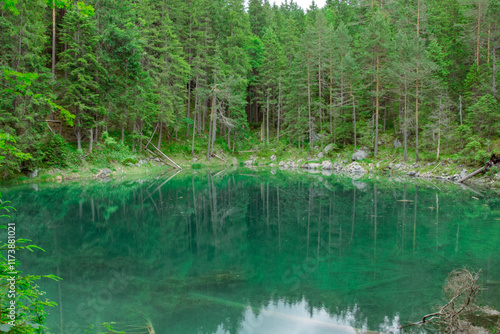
x=91 y=139
x=267 y=122
x=376 y=109
x=194 y=131
x=160 y=134
x=210 y=130
x=416 y=121
x=279 y=109
x=354 y=118
x=309 y=106
x=478 y=32
x=188 y=106
x=406 y=123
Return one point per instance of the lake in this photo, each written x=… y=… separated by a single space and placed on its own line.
x=247 y=251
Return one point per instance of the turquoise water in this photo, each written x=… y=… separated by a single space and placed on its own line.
x=251 y=252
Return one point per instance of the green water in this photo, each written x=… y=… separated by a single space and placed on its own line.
x=251 y=252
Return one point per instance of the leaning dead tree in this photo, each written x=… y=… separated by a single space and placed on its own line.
x=461 y=289
x=494 y=161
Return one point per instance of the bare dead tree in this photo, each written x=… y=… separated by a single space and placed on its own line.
x=461 y=289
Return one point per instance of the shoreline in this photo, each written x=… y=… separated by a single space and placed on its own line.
x=443 y=171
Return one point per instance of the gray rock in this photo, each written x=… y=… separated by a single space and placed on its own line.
x=105 y=171
x=398 y=166
x=390 y=165
x=248 y=163
x=312 y=166
x=359 y=155
x=397 y=143
x=463 y=173
x=360 y=185
x=326 y=172
x=273 y=171
x=412 y=173
x=378 y=165
x=328 y=148
x=320 y=155
x=273 y=157
x=195 y=159
x=282 y=163
x=315 y=137
x=34 y=174
x=327 y=165
x=354 y=168
x=379 y=143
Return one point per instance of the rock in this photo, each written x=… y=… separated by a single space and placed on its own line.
x=273 y=171
x=390 y=165
x=398 y=166
x=360 y=185
x=397 y=143
x=463 y=173
x=354 y=168
x=359 y=155
x=378 y=165
x=157 y=159
x=379 y=143
x=327 y=165
x=320 y=155
x=282 y=163
x=59 y=178
x=273 y=157
x=105 y=171
x=328 y=148
x=194 y=160
x=412 y=173
x=326 y=172
x=315 y=137
x=34 y=174
x=235 y=161
x=312 y=166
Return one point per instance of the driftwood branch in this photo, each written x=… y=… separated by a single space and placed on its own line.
x=494 y=161
x=462 y=285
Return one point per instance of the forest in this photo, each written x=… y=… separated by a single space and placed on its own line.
x=420 y=74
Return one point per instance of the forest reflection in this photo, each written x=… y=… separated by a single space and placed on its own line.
x=249 y=252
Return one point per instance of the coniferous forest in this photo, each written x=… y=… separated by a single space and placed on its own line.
x=417 y=73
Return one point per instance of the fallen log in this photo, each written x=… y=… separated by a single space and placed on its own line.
x=216 y=156
x=494 y=161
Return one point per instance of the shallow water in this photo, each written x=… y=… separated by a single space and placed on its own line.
x=253 y=252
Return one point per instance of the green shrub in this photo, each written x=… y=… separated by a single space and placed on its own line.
x=54 y=151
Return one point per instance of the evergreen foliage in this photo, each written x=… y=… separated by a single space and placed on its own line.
x=351 y=74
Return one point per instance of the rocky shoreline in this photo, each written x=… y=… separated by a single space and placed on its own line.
x=358 y=167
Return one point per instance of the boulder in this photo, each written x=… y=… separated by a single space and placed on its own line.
x=273 y=157
x=360 y=185
x=34 y=174
x=328 y=148
x=320 y=155
x=354 y=168
x=412 y=173
x=463 y=173
x=312 y=166
x=397 y=143
x=327 y=165
x=359 y=155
